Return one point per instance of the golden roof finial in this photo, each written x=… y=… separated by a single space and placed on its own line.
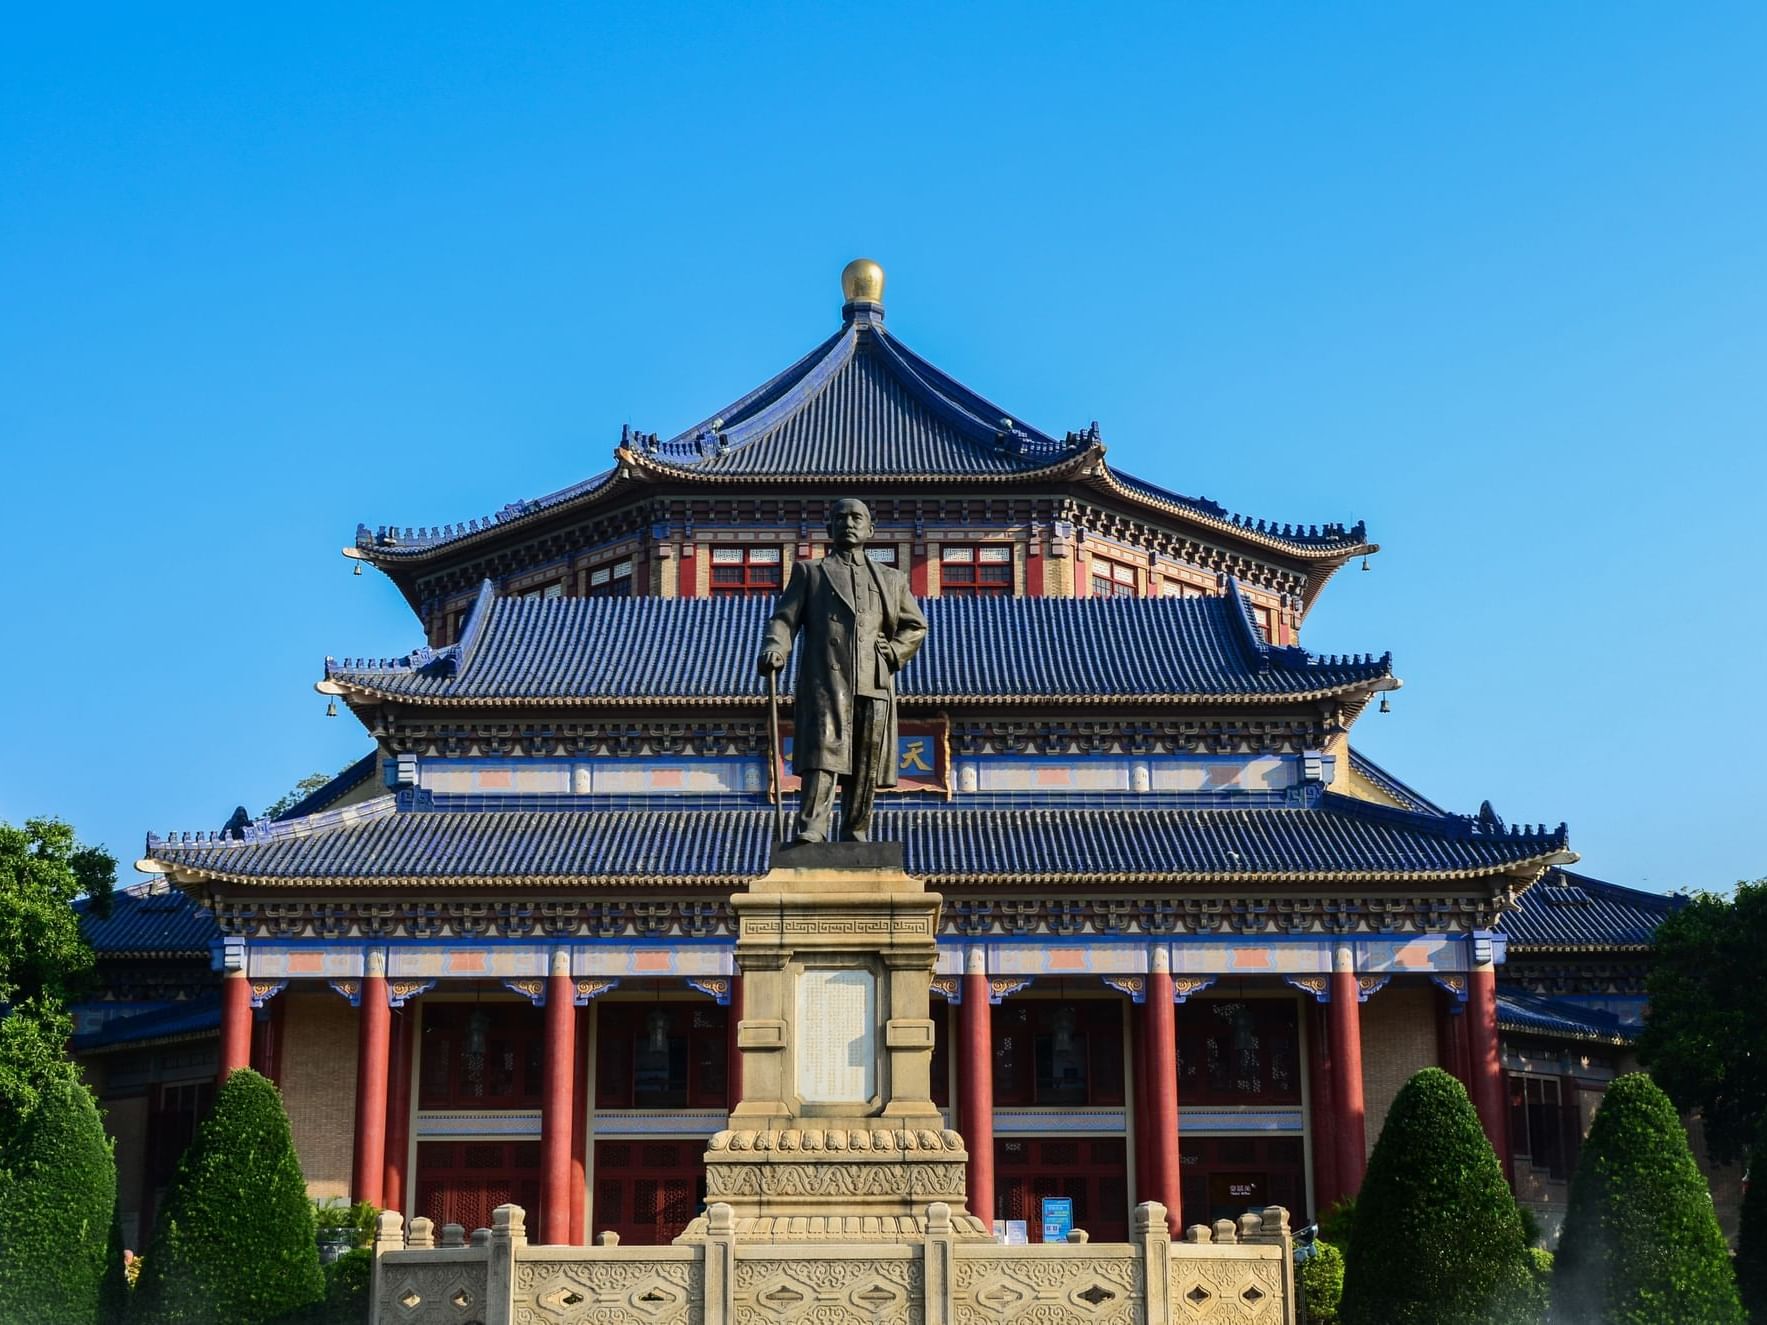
x=862 y=282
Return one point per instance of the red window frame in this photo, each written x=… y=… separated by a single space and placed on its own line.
x=1033 y=1068
x=1117 y=579
x=689 y=1071
x=975 y=570
x=1239 y=1051
x=754 y=569
x=507 y=1075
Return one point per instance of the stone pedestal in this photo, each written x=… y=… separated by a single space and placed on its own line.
x=836 y=1135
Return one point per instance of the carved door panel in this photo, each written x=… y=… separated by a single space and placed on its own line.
x=461 y=1182
x=647 y=1190
x=1092 y=1171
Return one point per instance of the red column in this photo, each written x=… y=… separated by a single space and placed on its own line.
x=398 y=1111
x=372 y=1035
x=557 y=1104
x=1451 y=1038
x=1325 y=1156
x=975 y=1087
x=1161 y=1055
x=686 y=577
x=1143 y=1124
x=580 y=1134
x=1486 y=1086
x=733 y=1055
x=236 y=1024
x=1349 y=1111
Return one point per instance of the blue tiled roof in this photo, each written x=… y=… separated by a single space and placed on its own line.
x=1398 y=790
x=588 y=650
x=1567 y=910
x=198 y=1016
x=419 y=839
x=860 y=406
x=1518 y=1010
x=148 y=919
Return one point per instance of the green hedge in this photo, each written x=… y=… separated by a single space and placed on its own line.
x=1322 y=1283
x=58 y=1191
x=1437 y=1238
x=1641 y=1244
x=234 y=1243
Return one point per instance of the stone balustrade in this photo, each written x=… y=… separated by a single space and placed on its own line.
x=1235 y=1272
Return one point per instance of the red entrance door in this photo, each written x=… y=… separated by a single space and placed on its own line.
x=1093 y=1172
x=461 y=1182
x=646 y=1191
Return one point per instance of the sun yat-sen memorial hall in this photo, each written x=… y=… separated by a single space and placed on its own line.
x=1191 y=940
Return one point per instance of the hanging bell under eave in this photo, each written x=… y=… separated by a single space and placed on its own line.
x=1384 y=706
x=1364 y=566
x=358 y=568
x=331 y=708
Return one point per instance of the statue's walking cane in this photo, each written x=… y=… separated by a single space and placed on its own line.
x=775 y=748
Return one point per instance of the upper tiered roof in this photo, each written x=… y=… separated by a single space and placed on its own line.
x=863 y=408
x=996 y=650
x=416 y=839
x=1569 y=912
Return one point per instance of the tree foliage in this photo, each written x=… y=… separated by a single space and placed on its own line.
x=1704 y=1039
x=1641 y=1244
x=298 y=793
x=58 y=1189
x=1437 y=1238
x=43 y=955
x=234 y=1243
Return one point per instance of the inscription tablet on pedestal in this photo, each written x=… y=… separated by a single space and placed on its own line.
x=836 y=1035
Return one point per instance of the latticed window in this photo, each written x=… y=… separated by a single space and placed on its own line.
x=971 y=570
x=1538 y=1124
x=553 y=590
x=611 y=581
x=745 y=570
x=1179 y=589
x=1112 y=579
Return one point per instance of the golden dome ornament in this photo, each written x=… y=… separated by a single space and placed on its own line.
x=862 y=282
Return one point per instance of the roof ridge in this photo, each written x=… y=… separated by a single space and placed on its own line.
x=1463 y=825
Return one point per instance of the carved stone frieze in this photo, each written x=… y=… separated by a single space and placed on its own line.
x=659 y=1292
x=1100 y=1290
x=828 y=1291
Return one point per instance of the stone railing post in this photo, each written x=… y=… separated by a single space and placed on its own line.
x=936 y=1264
x=389 y=1235
x=1153 y=1240
x=422 y=1236
x=719 y=1275
x=1273 y=1231
x=509 y=1234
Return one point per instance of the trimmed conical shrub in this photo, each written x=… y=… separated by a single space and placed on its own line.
x=1641 y=1244
x=1437 y=1238
x=233 y=1244
x=58 y=1189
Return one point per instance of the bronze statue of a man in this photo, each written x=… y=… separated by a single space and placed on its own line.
x=860 y=626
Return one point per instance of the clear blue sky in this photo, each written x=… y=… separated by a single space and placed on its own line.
x=1493 y=278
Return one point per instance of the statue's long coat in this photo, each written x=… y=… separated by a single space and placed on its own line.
x=838 y=658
